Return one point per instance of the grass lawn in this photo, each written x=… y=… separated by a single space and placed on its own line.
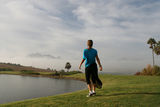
x=117 y=91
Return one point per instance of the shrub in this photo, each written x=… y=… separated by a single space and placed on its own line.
x=156 y=70
x=70 y=73
x=30 y=72
x=60 y=73
x=138 y=73
x=6 y=69
x=149 y=70
x=56 y=74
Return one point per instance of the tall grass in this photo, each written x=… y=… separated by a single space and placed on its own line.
x=150 y=70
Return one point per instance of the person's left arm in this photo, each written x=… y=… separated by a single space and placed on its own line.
x=99 y=63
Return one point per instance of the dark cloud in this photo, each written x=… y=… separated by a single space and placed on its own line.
x=39 y=55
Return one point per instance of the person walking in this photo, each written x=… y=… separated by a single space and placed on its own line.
x=90 y=55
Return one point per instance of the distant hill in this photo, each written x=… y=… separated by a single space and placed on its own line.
x=18 y=67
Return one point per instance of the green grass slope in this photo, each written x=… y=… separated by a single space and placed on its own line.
x=118 y=91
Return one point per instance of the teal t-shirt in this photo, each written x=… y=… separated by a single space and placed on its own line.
x=89 y=55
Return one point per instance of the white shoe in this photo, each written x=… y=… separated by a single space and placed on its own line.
x=89 y=95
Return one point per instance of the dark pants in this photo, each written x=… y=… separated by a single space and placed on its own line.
x=91 y=73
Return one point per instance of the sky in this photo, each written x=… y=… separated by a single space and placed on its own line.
x=49 y=33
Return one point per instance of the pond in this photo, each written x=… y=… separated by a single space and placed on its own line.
x=16 y=87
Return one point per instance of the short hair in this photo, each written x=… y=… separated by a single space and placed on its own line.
x=90 y=43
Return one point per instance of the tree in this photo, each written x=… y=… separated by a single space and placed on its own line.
x=68 y=66
x=152 y=43
x=157 y=48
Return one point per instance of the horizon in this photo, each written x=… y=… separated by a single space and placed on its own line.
x=47 y=34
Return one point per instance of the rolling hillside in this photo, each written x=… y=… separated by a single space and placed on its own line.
x=18 y=67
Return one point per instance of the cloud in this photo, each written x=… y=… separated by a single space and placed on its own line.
x=119 y=28
x=38 y=55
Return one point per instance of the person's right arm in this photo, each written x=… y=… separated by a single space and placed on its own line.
x=84 y=57
x=81 y=63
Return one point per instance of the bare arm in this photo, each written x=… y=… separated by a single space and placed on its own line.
x=99 y=63
x=81 y=63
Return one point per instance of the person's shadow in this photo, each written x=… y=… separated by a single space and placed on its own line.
x=138 y=93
